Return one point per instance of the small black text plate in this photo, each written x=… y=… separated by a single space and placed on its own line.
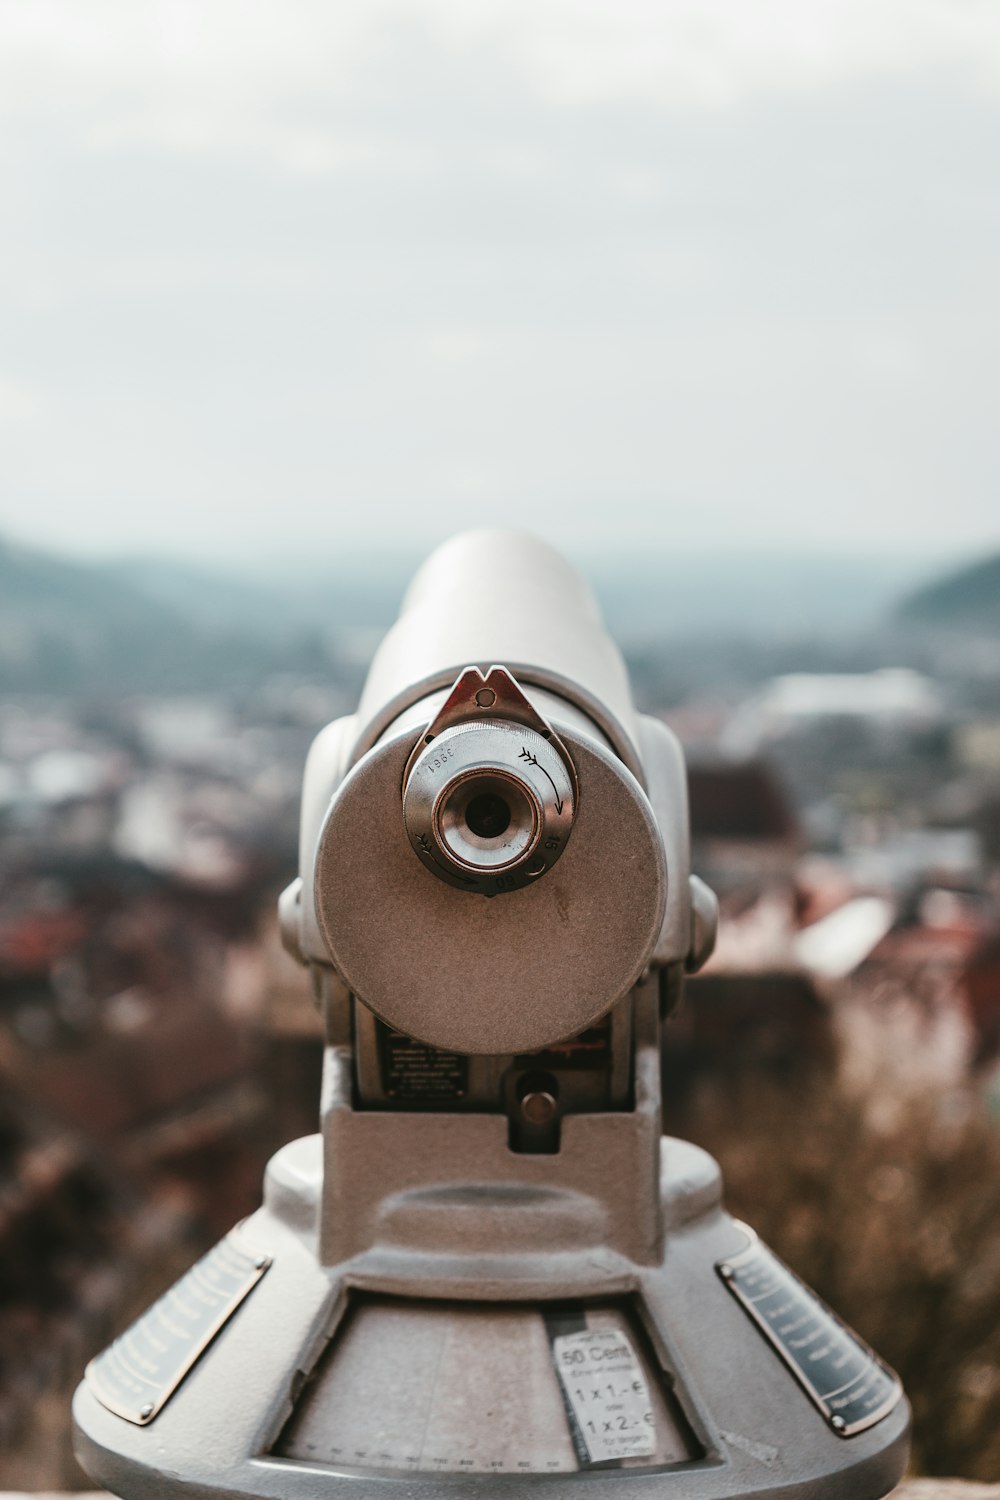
x=852 y=1388
x=140 y=1371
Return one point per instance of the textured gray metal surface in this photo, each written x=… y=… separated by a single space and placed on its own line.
x=910 y=1489
x=663 y=776
x=487 y=1389
x=507 y=975
x=759 y=1434
x=432 y=1189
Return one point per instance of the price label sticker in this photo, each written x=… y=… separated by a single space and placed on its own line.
x=606 y=1394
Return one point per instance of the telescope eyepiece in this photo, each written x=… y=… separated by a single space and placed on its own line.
x=486 y=820
x=488 y=805
x=487 y=814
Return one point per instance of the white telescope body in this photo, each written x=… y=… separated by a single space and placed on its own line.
x=489 y=1271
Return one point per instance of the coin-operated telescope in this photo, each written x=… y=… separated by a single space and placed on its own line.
x=489 y=1270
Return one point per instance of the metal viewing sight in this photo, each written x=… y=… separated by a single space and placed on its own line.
x=489 y=1273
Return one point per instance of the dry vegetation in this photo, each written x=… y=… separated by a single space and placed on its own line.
x=878 y=1180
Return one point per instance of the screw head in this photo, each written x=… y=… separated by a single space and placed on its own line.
x=838 y=1424
x=538 y=1108
x=147 y=1411
x=485 y=698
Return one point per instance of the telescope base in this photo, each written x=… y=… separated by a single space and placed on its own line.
x=713 y=1375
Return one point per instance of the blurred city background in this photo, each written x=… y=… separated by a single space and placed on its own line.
x=841 y=1053
x=707 y=298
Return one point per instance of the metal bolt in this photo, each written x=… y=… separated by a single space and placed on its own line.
x=260 y=1262
x=727 y=1273
x=147 y=1411
x=485 y=698
x=538 y=1108
x=838 y=1424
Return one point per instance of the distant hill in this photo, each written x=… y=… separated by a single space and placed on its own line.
x=968 y=599
x=278 y=602
x=70 y=626
x=765 y=596
x=646 y=597
x=162 y=625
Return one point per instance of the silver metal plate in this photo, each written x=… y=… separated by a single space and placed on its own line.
x=843 y=1377
x=438 y=1388
x=139 y=1372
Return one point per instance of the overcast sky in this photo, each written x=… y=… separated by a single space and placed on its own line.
x=278 y=276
